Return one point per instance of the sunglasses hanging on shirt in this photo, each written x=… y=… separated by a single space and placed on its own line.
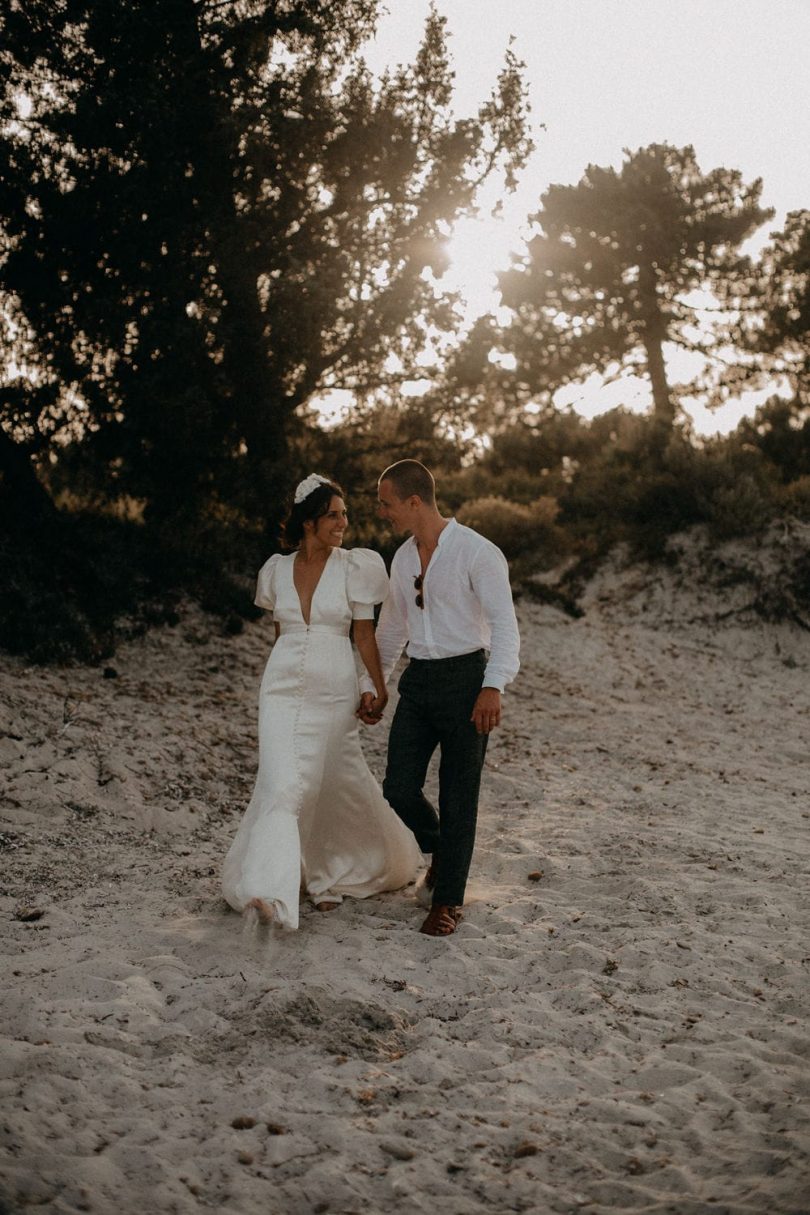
x=417 y=586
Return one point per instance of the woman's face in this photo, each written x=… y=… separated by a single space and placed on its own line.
x=330 y=527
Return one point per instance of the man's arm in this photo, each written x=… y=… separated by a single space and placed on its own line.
x=392 y=632
x=490 y=581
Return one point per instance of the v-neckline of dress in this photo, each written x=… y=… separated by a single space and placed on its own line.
x=315 y=589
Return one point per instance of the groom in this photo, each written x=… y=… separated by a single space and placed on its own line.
x=449 y=603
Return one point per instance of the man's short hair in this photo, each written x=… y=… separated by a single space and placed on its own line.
x=410 y=477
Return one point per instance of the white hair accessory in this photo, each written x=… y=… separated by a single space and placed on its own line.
x=306 y=487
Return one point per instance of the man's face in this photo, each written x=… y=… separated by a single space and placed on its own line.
x=398 y=512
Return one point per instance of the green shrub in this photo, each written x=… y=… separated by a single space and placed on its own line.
x=741 y=509
x=795 y=498
x=73 y=590
x=457 y=489
x=662 y=505
x=513 y=527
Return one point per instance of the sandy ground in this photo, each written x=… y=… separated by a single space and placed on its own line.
x=619 y=1025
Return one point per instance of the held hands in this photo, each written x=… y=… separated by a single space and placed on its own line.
x=371 y=708
x=486 y=713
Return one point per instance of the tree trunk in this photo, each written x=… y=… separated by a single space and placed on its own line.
x=25 y=503
x=654 y=335
x=258 y=400
x=663 y=407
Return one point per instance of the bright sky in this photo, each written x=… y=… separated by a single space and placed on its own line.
x=729 y=77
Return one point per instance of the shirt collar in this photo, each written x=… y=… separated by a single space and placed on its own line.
x=451 y=525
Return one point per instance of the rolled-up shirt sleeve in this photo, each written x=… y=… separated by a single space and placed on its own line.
x=490 y=581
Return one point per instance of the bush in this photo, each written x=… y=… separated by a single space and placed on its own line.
x=742 y=509
x=513 y=527
x=662 y=505
x=642 y=497
x=74 y=589
x=795 y=498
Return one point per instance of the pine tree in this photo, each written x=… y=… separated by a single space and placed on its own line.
x=610 y=277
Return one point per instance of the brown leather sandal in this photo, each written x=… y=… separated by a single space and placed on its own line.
x=442 y=920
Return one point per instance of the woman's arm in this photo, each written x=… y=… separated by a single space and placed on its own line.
x=364 y=639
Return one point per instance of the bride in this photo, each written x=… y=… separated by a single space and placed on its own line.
x=317 y=819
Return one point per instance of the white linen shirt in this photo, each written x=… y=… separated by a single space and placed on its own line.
x=467 y=606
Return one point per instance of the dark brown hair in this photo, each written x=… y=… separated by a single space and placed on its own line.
x=314 y=506
x=410 y=477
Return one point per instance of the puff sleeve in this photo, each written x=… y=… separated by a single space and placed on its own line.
x=366 y=582
x=266 y=585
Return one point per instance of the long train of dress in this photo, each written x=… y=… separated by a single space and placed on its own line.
x=317 y=819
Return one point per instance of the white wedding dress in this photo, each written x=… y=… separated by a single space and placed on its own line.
x=317 y=819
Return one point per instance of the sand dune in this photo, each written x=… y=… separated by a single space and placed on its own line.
x=619 y=1024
